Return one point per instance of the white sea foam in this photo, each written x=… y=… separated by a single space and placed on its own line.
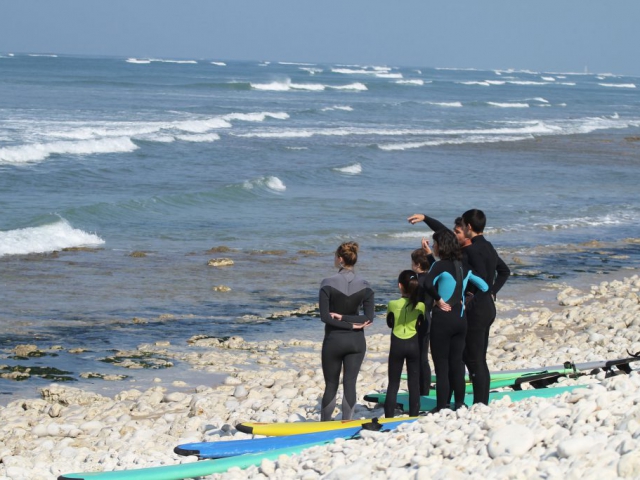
x=160 y=138
x=526 y=82
x=389 y=75
x=354 y=169
x=391 y=147
x=43 y=55
x=271 y=183
x=567 y=83
x=548 y=79
x=474 y=82
x=256 y=116
x=76 y=138
x=360 y=87
x=312 y=71
x=446 y=104
x=196 y=125
x=382 y=72
x=526 y=128
x=286 y=85
x=297 y=63
x=458 y=69
x=346 y=108
x=508 y=104
x=203 y=137
x=496 y=82
x=39 y=151
x=158 y=60
x=187 y=62
x=538 y=99
x=618 y=85
x=415 y=81
x=219 y=64
x=46 y=238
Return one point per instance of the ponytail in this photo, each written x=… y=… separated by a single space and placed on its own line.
x=409 y=281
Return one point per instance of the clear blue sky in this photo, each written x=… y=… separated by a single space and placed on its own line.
x=542 y=35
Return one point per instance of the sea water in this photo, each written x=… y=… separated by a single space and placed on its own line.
x=120 y=178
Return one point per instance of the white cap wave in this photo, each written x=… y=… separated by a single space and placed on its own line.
x=45 y=238
x=271 y=183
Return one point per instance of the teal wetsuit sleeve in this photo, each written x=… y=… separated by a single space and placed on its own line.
x=478 y=282
x=325 y=313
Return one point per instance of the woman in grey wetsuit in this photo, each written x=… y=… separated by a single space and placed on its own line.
x=344 y=346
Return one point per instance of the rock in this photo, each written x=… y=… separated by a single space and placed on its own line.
x=240 y=391
x=629 y=465
x=574 y=447
x=511 y=440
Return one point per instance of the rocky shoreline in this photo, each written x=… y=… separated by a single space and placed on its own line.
x=592 y=432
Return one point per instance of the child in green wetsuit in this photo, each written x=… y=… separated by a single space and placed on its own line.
x=404 y=317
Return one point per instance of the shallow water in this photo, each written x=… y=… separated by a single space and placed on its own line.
x=280 y=164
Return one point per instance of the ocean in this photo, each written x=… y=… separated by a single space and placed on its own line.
x=121 y=178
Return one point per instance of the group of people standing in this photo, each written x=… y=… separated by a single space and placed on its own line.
x=447 y=304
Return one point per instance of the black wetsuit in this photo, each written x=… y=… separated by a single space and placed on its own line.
x=481 y=312
x=423 y=336
x=343 y=293
x=425 y=327
x=447 y=280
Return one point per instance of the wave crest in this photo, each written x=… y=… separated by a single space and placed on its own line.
x=354 y=169
x=40 y=151
x=46 y=238
x=270 y=183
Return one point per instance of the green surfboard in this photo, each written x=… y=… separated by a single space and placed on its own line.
x=191 y=470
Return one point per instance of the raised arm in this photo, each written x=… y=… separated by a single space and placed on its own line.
x=432 y=223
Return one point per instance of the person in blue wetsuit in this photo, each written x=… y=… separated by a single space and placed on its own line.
x=446 y=282
x=481 y=309
x=404 y=317
x=341 y=297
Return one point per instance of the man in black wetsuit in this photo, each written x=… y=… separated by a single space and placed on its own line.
x=481 y=309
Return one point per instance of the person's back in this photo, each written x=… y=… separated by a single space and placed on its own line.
x=345 y=293
x=481 y=311
x=340 y=299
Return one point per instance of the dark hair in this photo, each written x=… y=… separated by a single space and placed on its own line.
x=409 y=281
x=457 y=222
x=476 y=219
x=420 y=258
x=348 y=251
x=448 y=245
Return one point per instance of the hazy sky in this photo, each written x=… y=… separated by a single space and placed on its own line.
x=542 y=35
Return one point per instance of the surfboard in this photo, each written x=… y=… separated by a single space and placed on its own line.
x=292 y=428
x=537 y=379
x=193 y=469
x=228 y=448
x=611 y=367
x=429 y=403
